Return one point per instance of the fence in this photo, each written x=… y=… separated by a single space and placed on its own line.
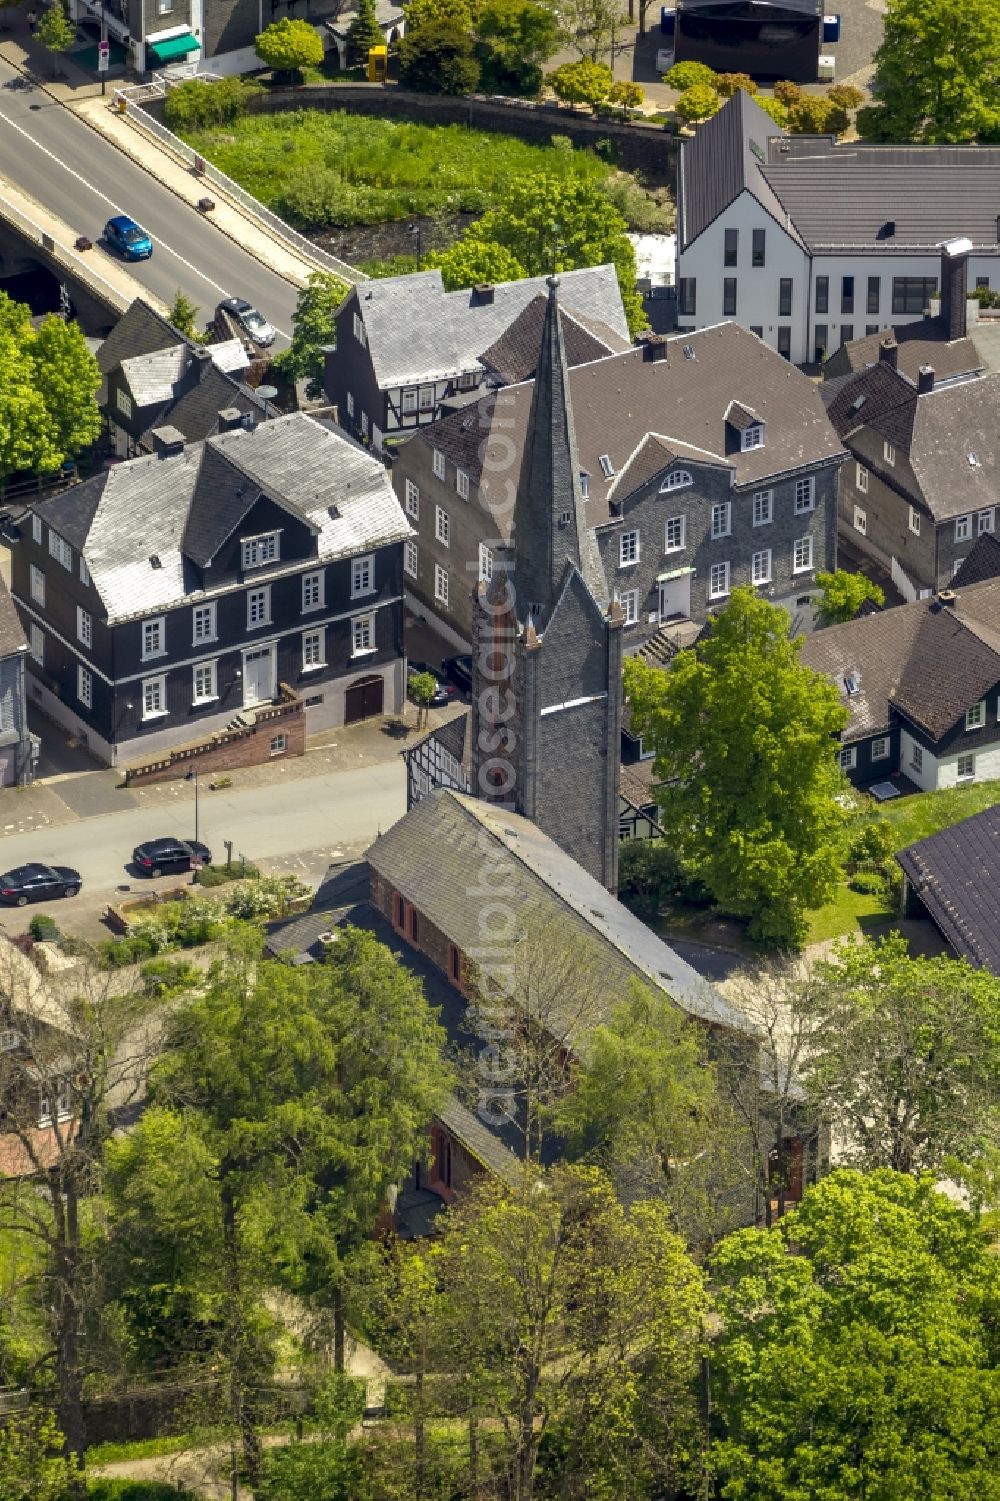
x=62 y=254
x=178 y=148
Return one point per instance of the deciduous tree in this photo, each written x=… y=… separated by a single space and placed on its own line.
x=698 y=103
x=470 y=262
x=48 y=391
x=594 y=28
x=33 y=1466
x=937 y=71
x=844 y=593
x=288 y=46
x=744 y=740
x=517 y=36
x=688 y=75
x=626 y=94
x=435 y=58
x=313 y=329
x=584 y=82
x=56 y=32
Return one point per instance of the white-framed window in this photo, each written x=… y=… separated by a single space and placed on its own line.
x=36 y=528
x=154 y=697
x=60 y=550
x=259 y=606
x=462 y=483
x=260 y=550
x=84 y=573
x=629 y=602
x=862 y=477
x=313 y=592
x=204 y=626
x=204 y=682
x=963 y=528
x=359 y=329
x=628 y=549
x=411 y=500
x=60 y=1092
x=975 y=716
x=914 y=522
x=485 y=562
x=409 y=402
x=442 y=526
x=966 y=768
x=888 y=452
x=84 y=626
x=85 y=687
x=36 y=643
x=722 y=519
x=410 y=557
x=362 y=635
x=760 y=568
x=763 y=507
x=718 y=581
x=364 y=424
x=917 y=757
x=279 y=744
x=36 y=583
x=350 y=404
x=165 y=7
x=674 y=530
x=805 y=495
x=848 y=758
x=362 y=575
x=880 y=748
x=427 y=401
x=677 y=479
x=984 y=521
x=439 y=464
x=584 y=485
x=753 y=436
x=313 y=652
x=440 y=583
x=860 y=520
x=802 y=555
x=123 y=401
x=154 y=638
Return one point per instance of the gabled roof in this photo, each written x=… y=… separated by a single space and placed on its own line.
x=416 y=331
x=956 y=874
x=120 y=519
x=923 y=343
x=929 y=660
x=12 y=638
x=655 y=453
x=982 y=563
x=514 y=356
x=151 y=378
x=724 y=158
x=140 y=330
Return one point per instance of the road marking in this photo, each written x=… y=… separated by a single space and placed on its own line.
x=119 y=210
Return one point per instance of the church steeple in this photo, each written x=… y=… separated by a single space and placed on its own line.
x=550 y=525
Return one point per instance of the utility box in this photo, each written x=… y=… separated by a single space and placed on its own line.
x=378 y=64
x=831 y=29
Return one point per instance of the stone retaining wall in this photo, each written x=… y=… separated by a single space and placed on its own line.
x=244 y=745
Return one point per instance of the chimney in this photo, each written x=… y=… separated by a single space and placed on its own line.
x=484 y=293
x=954 y=285
x=654 y=346
x=944 y=598
x=167 y=442
x=925 y=379
x=230 y=418
x=888 y=352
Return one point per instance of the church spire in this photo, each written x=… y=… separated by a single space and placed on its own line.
x=550 y=525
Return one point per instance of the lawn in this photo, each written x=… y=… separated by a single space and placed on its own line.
x=322 y=168
x=925 y=813
x=849 y=912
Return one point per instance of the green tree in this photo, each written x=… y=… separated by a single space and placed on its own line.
x=67 y=375
x=517 y=36
x=56 y=32
x=684 y=76
x=906 y=1054
x=584 y=82
x=845 y=95
x=698 y=103
x=774 y=108
x=27 y=436
x=744 y=741
x=936 y=71
x=313 y=331
x=857 y=1350
x=844 y=593
x=626 y=94
x=33 y=1466
x=326 y=1467
x=436 y=59
x=183 y=315
x=422 y=687
x=726 y=84
x=363 y=33
x=287 y=46
x=594 y=28
x=470 y=262
x=458 y=14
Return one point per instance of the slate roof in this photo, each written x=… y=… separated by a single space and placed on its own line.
x=140 y=330
x=162 y=506
x=929 y=660
x=416 y=331
x=721 y=160
x=12 y=639
x=620 y=399
x=436 y=855
x=923 y=343
x=956 y=874
x=479 y=1141
x=514 y=356
x=152 y=377
x=982 y=563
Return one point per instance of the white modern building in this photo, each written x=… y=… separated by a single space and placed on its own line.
x=810 y=242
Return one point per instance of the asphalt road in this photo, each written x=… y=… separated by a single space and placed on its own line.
x=74 y=172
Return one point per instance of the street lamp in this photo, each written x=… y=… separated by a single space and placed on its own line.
x=193 y=776
x=416 y=230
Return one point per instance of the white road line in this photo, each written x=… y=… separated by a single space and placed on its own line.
x=119 y=210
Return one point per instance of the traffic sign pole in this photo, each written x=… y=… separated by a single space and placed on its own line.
x=103 y=61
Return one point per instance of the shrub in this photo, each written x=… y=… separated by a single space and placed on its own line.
x=436 y=59
x=650 y=874
x=683 y=76
x=106 y=1489
x=845 y=95
x=287 y=46
x=867 y=883
x=267 y=897
x=698 y=103
x=220 y=875
x=582 y=82
x=43 y=928
x=788 y=93
x=197 y=104
x=873 y=841
x=726 y=84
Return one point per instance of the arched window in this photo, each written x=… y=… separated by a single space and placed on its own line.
x=677 y=479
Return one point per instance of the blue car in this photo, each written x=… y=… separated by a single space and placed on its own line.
x=125 y=236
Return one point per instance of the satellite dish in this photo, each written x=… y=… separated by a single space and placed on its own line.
x=267 y=393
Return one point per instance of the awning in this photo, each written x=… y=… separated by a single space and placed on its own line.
x=174 y=47
x=678 y=573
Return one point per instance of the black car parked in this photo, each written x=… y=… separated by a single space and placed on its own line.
x=459 y=669
x=38 y=883
x=157 y=856
x=443 y=693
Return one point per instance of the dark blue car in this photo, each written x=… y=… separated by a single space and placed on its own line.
x=125 y=236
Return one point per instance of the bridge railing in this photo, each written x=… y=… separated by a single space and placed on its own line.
x=63 y=254
x=143 y=120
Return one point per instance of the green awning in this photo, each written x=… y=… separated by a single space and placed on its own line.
x=175 y=46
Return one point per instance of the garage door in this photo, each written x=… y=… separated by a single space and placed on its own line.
x=364 y=698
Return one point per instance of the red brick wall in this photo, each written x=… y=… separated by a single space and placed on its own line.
x=429 y=939
x=227 y=749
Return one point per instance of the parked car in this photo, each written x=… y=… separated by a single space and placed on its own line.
x=157 y=856
x=38 y=883
x=459 y=669
x=253 y=324
x=443 y=693
x=125 y=236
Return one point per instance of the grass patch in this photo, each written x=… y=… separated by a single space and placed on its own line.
x=850 y=912
x=334 y=168
x=925 y=813
x=104 y=1489
x=141 y=1448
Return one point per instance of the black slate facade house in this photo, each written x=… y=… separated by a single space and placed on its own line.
x=921 y=685
x=406 y=348
x=173 y=592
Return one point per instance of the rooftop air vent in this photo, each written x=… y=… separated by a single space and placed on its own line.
x=974 y=460
x=154 y=561
x=333 y=512
x=689 y=351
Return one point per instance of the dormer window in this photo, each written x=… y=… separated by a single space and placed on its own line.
x=676 y=480
x=584 y=484
x=753 y=436
x=257 y=551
